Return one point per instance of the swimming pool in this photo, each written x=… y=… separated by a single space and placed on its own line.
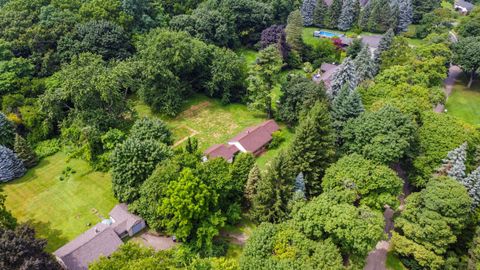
x=326 y=34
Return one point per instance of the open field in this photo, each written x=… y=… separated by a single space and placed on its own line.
x=212 y=122
x=464 y=103
x=60 y=210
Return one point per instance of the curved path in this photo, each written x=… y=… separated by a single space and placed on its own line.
x=453 y=74
x=377 y=258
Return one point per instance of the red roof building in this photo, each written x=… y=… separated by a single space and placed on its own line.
x=252 y=140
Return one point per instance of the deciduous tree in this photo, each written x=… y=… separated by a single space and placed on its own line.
x=384 y=136
x=132 y=163
x=299 y=94
x=354 y=230
x=374 y=185
x=467 y=56
x=283 y=247
x=430 y=223
x=21 y=250
x=151 y=129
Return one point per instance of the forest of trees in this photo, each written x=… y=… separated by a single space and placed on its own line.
x=69 y=71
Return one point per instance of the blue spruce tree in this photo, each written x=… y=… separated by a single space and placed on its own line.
x=11 y=167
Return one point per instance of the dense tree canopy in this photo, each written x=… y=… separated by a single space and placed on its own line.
x=21 y=250
x=375 y=185
x=431 y=222
x=354 y=230
x=384 y=136
x=298 y=96
x=132 y=162
x=283 y=247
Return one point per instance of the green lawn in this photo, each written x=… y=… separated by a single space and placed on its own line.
x=249 y=55
x=464 y=103
x=393 y=263
x=212 y=122
x=309 y=39
x=60 y=210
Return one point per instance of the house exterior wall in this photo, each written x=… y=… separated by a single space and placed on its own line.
x=136 y=228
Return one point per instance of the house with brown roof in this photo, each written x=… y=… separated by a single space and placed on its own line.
x=101 y=240
x=252 y=140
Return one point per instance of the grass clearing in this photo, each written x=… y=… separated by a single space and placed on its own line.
x=215 y=123
x=309 y=39
x=249 y=55
x=393 y=263
x=60 y=210
x=464 y=103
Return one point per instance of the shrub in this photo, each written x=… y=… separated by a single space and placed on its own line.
x=277 y=139
x=47 y=148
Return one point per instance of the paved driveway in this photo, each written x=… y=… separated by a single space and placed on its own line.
x=157 y=242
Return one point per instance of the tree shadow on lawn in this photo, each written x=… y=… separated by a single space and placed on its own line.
x=30 y=175
x=44 y=230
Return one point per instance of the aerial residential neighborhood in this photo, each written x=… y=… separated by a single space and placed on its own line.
x=239 y=134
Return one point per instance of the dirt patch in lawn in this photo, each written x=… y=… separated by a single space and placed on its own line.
x=194 y=110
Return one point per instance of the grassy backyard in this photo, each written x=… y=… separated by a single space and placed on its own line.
x=60 y=210
x=309 y=39
x=464 y=103
x=210 y=121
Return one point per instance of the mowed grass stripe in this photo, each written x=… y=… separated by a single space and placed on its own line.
x=60 y=210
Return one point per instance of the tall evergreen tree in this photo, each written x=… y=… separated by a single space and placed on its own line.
x=313 y=147
x=308 y=9
x=421 y=7
x=472 y=183
x=349 y=14
x=320 y=15
x=251 y=185
x=11 y=166
x=273 y=192
x=300 y=188
x=25 y=152
x=239 y=172
x=6 y=131
x=405 y=16
x=454 y=164
x=365 y=16
x=364 y=65
x=294 y=31
x=334 y=12
x=384 y=45
x=347 y=105
x=263 y=78
x=381 y=17
x=344 y=75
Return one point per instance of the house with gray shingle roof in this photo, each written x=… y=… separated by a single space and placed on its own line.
x=101 y=240
x=463 y=7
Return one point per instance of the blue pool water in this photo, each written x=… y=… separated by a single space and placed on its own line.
x=326 y=34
